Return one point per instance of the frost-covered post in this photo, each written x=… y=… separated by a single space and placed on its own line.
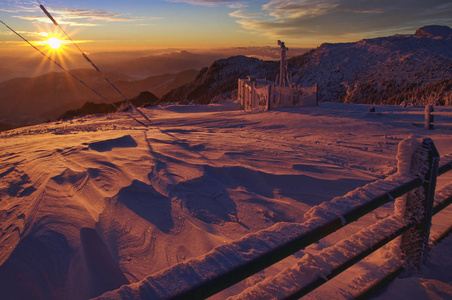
x=269 y=96
x=429 y=117
x=253 y=95
x=417 y=157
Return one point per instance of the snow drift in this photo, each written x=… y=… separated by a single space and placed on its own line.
x=104 y=190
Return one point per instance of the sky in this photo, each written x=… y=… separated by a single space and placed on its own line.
x=200 y=24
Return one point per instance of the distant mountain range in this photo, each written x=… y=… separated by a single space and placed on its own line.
x=414 y=69
x=27 y=101
x=153 y=65
x=50 y=93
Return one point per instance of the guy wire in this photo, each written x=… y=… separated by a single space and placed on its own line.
x=92 y=63
x=65 y=70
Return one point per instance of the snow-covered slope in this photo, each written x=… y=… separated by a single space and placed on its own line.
x=93 y=203
x=414 y=68
x=386 y=70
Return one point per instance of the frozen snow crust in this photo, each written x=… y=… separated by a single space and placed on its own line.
x=104 y=190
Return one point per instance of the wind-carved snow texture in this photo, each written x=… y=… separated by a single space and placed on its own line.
x=136 y=188
x=183 y=276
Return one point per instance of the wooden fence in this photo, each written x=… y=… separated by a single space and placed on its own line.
x=226 y=265
x=429 y=114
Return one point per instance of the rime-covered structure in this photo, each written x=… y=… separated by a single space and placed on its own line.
x=256 y=93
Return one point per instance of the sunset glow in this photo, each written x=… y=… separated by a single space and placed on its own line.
x=239 y=149
x=54 y=43
x=188 y=24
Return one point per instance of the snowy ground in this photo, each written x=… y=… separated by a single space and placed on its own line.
x=200 y=177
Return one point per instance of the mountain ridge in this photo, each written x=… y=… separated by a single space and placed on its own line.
x=221 y=77
x=32 y=100
x=412 y=69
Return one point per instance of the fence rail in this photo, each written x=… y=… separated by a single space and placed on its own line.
x=229 y=264
x=429 y=114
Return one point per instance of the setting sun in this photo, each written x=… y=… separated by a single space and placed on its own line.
x=54 y=43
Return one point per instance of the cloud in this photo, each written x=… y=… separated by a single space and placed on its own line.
x=237 y=5
x=206 y=2
x=27 y=33
x=342 y=19
x=94 y=15
x=40 y=19
x=71 y=17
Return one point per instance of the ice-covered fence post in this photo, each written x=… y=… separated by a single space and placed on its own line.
x=429 y=117
x=253 y=95
x=239 y=91
x=269 y=96
x=417 y=157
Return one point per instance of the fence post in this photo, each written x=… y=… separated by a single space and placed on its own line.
x=417 y=157
x=269 y=96
x=253 y=95
x=429 y=117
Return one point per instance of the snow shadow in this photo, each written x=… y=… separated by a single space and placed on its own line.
x=123 y=142
x=206 y=199
x=147 y=203
x=220 y=122
x=37 y=268
x=196 y=108
x=101 y=269
x=301 y=188
x=20 y=187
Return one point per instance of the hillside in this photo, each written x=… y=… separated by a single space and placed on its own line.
x=159 y=85
x=389 y=70
x=221 y=77
x=89 y=108
x=46 y=97
x=413 y=69
x=96 y=202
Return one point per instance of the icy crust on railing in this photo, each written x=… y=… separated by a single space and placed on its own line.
x=443 y=193
x=183 y=276
x=311 y=268
x=446 y=159
x=338 y=206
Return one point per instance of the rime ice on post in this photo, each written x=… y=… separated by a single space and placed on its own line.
x=417 y=157
x=429 y=117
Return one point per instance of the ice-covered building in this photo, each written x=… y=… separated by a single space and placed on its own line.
x=262 y=94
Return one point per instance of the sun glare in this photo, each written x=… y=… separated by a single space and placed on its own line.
x=54 y=43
